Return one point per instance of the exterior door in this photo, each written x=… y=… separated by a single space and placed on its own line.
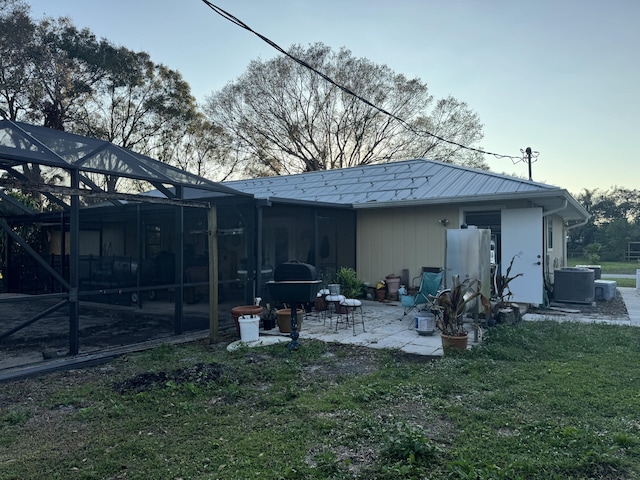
x=522 y=237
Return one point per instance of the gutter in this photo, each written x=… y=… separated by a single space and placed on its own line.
x=489 y=197
x=268 y=201
x=579 y=224
x=565 y=203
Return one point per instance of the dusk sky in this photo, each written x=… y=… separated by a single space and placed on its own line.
x=559 y=76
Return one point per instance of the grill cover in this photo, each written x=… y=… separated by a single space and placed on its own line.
x=295 y=271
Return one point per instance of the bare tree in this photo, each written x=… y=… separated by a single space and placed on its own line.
x=453 y=120
x=285 y=118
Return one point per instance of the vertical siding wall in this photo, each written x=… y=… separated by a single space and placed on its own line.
x=389 y=240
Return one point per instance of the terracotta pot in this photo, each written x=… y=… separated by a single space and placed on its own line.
x=393 y=284
x=238 y=312
x=381 y=294
x=284 y=319
x=458 y=342
x=341 y=309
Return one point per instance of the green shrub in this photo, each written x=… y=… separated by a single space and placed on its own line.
x=350 y=285
x=592 y=252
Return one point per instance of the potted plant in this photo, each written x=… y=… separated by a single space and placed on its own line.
x=451 y=305
x=503 y=310
x=381 y=290
x=350 y=285
x=269 y=320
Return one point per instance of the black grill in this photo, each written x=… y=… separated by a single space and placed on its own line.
x=294 y=282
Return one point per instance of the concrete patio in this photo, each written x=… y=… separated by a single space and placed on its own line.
x=385 y=327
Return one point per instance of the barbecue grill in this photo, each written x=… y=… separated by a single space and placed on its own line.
x=294 y=283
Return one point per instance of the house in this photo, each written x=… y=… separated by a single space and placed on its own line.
x=378 y=219
x=386 y=218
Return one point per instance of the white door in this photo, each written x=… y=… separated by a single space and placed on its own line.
x=522 y=237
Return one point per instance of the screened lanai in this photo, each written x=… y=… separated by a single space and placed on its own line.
x=50 y=176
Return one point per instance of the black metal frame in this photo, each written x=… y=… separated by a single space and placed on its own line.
x=78 y=158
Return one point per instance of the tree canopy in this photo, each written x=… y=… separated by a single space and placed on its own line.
x=278 y=117
x=282 y=117
x=614 y=223
x=55 y=74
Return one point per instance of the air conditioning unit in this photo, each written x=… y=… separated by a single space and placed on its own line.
x=597 y=269
x=573 y=285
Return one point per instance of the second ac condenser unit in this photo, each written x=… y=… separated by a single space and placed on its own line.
x=573 y=285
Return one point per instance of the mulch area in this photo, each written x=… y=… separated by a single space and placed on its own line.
x=614 y=308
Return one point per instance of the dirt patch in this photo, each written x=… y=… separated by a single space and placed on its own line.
x=200 y=373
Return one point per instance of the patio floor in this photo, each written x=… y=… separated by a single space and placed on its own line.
x=384 y=327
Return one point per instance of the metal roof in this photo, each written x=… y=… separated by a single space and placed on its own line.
x=409 y=182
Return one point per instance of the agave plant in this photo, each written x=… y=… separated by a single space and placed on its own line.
x=451 y=305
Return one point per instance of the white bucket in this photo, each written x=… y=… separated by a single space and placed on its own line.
x=425 y=322
x=249 y=328
x=334 y=289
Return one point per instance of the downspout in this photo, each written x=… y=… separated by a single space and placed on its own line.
x=571 y=227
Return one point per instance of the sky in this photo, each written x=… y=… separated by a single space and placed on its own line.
x=559 y=76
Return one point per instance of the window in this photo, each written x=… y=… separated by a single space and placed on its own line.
x=549 y=233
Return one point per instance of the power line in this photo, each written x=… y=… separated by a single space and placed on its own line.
x=228 y=16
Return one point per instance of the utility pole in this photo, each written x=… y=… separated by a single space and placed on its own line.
x=531 y=157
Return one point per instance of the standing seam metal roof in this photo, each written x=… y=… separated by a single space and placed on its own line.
x=409 y=180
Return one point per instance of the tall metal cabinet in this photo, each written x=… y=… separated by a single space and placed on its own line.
x=468 y=255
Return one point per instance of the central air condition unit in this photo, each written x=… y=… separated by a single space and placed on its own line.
x=573 y=285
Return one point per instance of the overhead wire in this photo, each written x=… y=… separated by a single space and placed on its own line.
x=228 y=16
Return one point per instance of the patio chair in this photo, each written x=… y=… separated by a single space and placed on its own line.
x=429 y=285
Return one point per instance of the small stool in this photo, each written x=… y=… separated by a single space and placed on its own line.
x=351 y=304
x=334 y=300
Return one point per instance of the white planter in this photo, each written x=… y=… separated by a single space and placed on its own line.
x=249 y=328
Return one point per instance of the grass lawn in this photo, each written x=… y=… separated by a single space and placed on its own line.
x=539 y=400
x=625 y=268
x=628 y=268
